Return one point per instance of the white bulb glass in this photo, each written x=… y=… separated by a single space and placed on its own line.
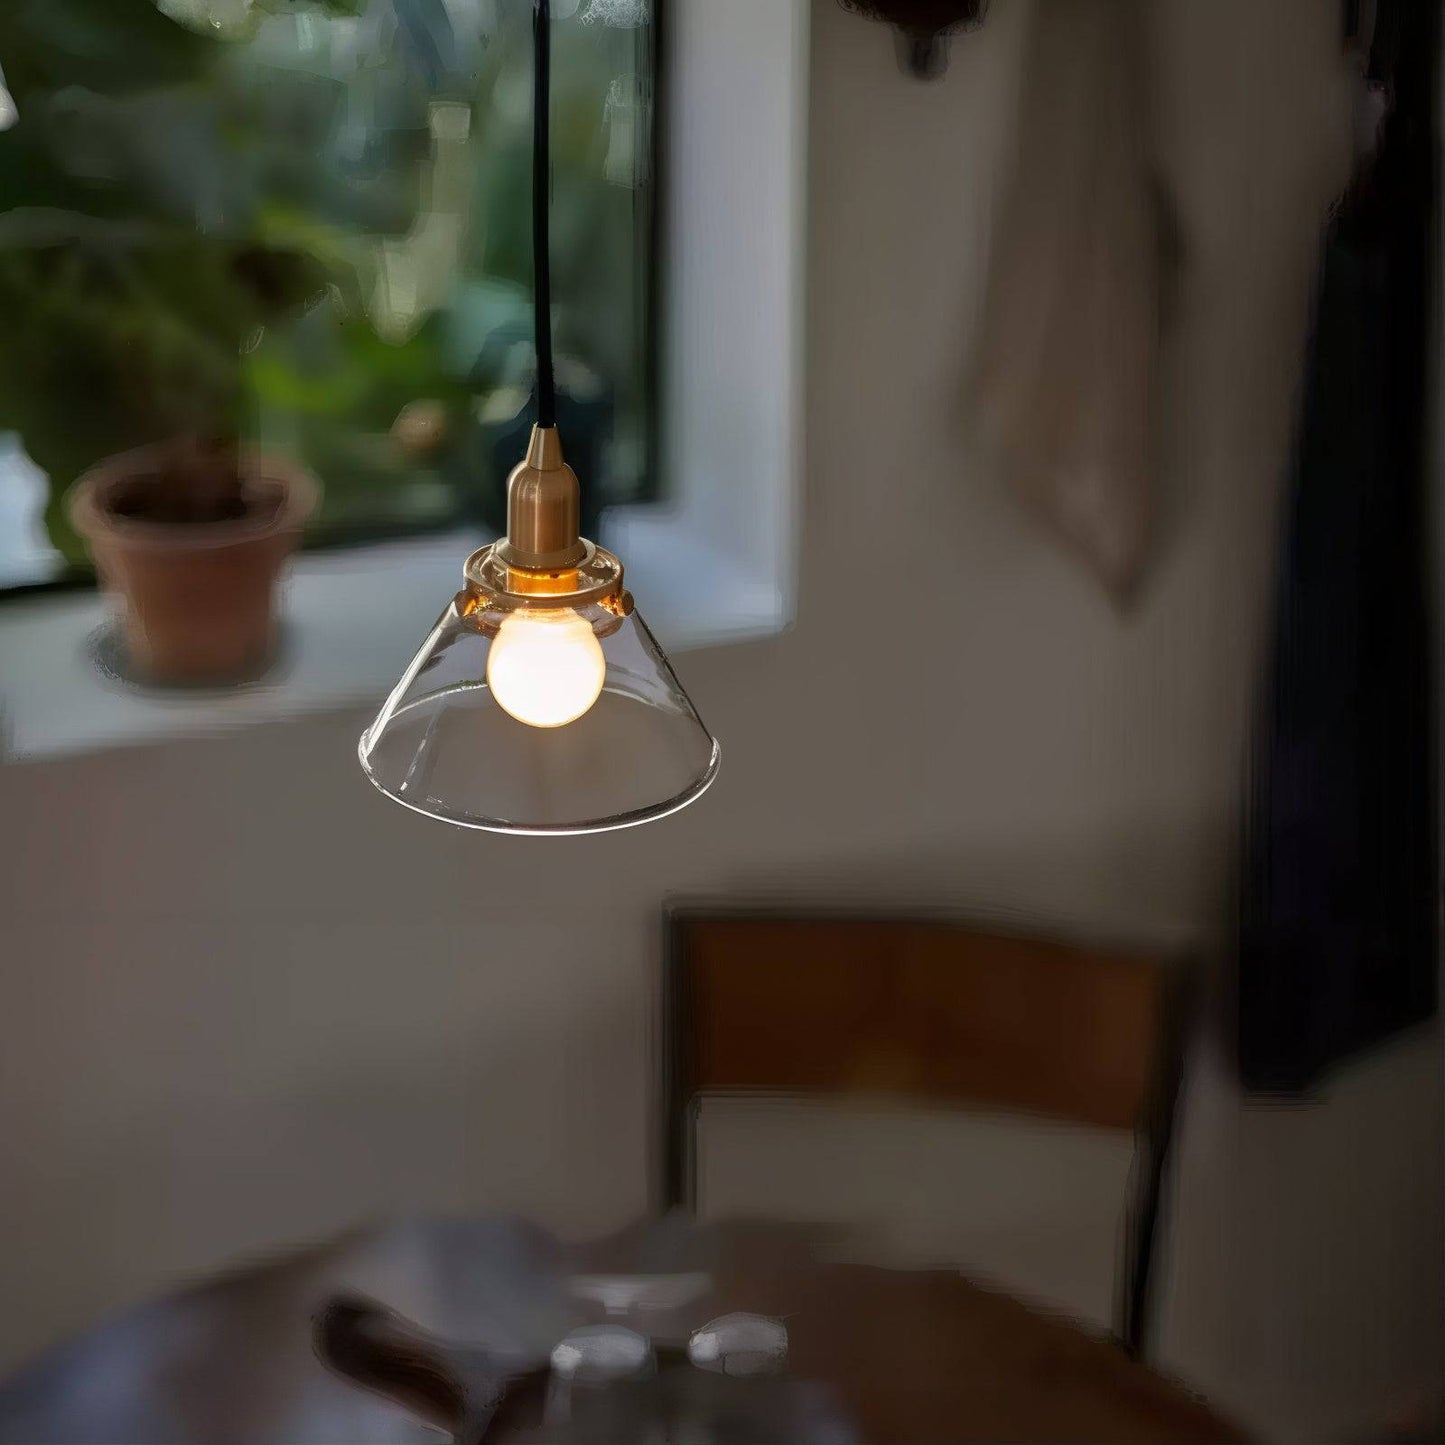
x=546 y=669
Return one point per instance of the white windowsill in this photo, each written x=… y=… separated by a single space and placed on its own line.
x=353 y=620
x=714 y=566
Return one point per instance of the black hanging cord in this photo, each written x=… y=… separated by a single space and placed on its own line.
x=541 y=187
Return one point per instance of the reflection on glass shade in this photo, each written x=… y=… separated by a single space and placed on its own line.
x=449 y=742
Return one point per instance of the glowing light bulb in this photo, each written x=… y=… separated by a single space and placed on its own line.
x=546 y=668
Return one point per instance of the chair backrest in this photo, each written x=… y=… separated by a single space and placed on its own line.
x=926 y=1010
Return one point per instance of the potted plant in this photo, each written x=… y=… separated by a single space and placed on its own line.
x=192 y=537
x=129 y=311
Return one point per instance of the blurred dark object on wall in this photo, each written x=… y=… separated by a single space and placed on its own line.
x=1340 y=886
x=923 y=28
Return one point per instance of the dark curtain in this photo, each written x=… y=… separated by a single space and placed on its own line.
x=1339 y=891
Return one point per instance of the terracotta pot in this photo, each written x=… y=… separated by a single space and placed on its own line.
x=199 y=597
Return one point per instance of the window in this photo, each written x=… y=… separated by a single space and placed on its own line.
x=309 y=221
x=715 y=564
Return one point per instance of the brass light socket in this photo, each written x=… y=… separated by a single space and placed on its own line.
x=542 y=563
x=543 y=509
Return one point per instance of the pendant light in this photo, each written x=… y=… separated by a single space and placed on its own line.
x=540 y=703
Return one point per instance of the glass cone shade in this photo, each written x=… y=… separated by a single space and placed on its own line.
x=610 y=738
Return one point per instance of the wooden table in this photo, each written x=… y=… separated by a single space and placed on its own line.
x=913 y=1358
x=918 y=1357
x=925 y=1356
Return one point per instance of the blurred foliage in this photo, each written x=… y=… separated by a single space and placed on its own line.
x=287 y=220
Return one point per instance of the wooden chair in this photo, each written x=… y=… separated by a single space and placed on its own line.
x=929 y=1011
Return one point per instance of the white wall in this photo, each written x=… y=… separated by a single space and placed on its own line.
x=246 y=1000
